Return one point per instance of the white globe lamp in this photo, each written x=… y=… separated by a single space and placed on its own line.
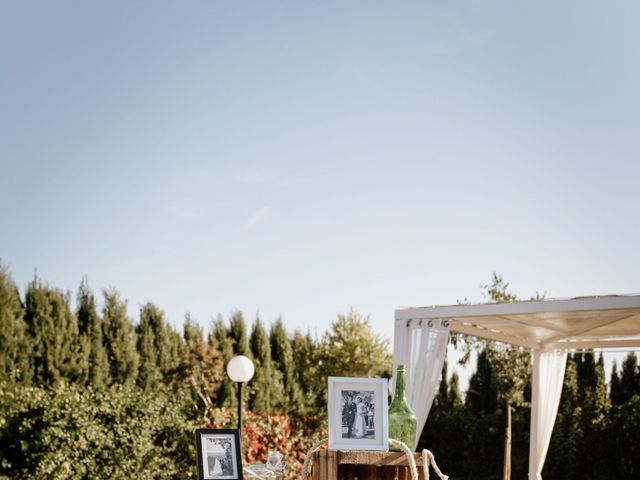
x=240 y=369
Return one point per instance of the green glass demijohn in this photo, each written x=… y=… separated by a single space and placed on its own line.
x=402 y=420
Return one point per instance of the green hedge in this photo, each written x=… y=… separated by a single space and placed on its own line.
x=76 y=433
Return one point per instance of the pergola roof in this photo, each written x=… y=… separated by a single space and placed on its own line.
x=611 y=321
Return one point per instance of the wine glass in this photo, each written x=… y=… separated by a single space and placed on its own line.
x=274 y=461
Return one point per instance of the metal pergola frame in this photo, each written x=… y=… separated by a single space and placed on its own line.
x=611 y=321
x=547 y=328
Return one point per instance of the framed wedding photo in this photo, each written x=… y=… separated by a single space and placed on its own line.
x=358 y=413
x=219 y=454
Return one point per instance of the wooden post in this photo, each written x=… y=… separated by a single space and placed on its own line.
x=506 y=468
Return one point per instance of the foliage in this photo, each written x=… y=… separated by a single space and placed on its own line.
x=622 y=440
x=482 y=395
x=158 y=346
x=76 y=433
x=119 y=338
x=584 y=420
x=507 y=372
x=293 y=436
x=511 y=365
x=629 y=379
x=87 y=394
x=351 y=348
x=95 y=364
x=224 y=343
x=53 y=331
x=263 y=394
x=282 y=355
x=197 y=376
x=238 y=334
x=14 y=343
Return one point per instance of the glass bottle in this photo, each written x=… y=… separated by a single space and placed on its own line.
x=402 y=420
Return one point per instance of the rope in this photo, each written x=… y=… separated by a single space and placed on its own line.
x=307 y=458
x=427 y=460
x=407 y=451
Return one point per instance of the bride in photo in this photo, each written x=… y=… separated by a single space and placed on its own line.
x=216 y=468
x=359 y=425
x=215 y=455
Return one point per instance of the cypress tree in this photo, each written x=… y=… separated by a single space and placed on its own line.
x=442 y=396
x=282 y=356
x=265 y=384
x=119 y=340
x=454 y=397
x=587 y=377
x=219 y=331
x=149 y=347
x=306 y=370
x=592 y=400
x=95 y=363
x=485 y=421
x=238 y=334
x=192 y=333
x=223 y=342
x=482 y=394
x=600 y=392
x=615 y=393
x=14 y=348
x=54 y=333
x=597 y=428
x=629 y=378
x=167 y=341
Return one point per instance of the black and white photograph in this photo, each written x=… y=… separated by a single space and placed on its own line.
x=218 y=453
x=357 y=413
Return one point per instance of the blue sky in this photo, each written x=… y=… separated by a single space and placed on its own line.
x=300 y=159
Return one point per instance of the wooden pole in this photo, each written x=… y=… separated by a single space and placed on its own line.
x=506 y=469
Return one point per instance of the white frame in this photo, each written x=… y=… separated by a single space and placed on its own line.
x=381 y=418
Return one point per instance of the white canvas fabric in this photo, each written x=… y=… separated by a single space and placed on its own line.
x=420 y=345
x=548 y=376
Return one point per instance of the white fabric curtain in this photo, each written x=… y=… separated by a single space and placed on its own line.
x=548 y=377
x=420 y=345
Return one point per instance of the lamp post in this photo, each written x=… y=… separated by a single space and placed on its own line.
x=240 y=369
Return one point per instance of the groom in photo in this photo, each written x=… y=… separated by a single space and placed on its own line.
x=349 y=412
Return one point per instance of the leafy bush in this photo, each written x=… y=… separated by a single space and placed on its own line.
x=77 y=433
x=72 y=432
x=292 y=436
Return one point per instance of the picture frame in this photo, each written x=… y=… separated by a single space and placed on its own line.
x=219 y=454
x=358 y=413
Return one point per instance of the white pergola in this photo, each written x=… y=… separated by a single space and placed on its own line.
x=549 y=328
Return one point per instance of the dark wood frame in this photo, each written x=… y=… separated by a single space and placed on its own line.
x=225 y=432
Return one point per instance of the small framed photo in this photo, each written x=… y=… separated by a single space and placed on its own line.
x=358 y=413
x=219 y=454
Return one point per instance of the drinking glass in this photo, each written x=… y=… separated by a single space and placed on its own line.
x=274 y=460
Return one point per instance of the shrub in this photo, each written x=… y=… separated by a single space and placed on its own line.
x=71 y=432
x=77 y=433
x=292 y=436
